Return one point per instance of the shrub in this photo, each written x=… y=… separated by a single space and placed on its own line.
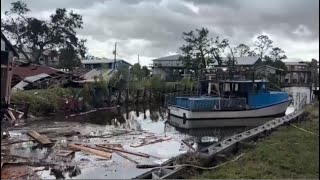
x=43 y=101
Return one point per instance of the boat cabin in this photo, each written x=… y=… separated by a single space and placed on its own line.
x=255 y=92
x=237 y=88
x=234 y=95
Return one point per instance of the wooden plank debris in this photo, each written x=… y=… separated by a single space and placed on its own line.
x=64 y=153
x=99 y=148
x=143 y=143
x=7 y=117
x=107 y=135
x=16 y=142
x=91 y=111
x=14 y=156
x=125 y=151
x=42 y=139
x=20 y=113
x=115 y=146
x=146 y=166
x=126 y=157
x=14 y=172
x=91 y=150
x=189 y=146
x=13 y=118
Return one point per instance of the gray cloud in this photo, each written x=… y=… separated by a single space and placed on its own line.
x=155 y=27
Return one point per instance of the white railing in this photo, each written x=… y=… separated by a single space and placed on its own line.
x=300 y=101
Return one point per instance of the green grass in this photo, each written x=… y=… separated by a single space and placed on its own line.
x=43 y=101
x=287 y=153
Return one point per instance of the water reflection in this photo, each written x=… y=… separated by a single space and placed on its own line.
x=150 y=118
x=153 y=119
x=138 y=118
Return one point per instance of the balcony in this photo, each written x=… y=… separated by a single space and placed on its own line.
x=170 y=64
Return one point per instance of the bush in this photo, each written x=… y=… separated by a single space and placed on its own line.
x=188 y=83
x=43 y=101
x=155 y=83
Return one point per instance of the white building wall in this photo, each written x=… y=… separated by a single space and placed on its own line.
x=160 y=72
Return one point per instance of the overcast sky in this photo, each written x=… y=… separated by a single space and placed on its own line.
x=153 y=28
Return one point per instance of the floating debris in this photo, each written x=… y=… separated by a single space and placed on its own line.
x=91 y=150
x=42 y=139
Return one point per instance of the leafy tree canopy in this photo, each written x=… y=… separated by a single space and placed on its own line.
x=57 y=33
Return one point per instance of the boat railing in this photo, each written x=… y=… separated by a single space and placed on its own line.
x=207 y=103
x=170 y=98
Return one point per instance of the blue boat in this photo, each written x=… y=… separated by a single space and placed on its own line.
x=230 y=103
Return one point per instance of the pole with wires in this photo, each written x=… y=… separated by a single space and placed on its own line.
x=115 y=55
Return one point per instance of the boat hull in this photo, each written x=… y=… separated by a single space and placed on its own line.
x=184 y=118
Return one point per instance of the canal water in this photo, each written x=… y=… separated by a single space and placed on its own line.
x=132 y=123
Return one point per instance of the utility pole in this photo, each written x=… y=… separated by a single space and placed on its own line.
x=138 y=60
x=115 y=55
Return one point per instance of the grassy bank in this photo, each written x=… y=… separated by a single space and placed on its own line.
x=43 y=101
x=287 y=153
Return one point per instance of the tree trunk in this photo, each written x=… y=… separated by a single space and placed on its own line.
x=20 y=48
x=39 y=53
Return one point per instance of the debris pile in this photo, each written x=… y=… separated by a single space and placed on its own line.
x=62 y=152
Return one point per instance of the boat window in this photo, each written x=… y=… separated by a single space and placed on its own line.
x=227 y=87
x=255 y=87
x=236 y=87
x=258 y=87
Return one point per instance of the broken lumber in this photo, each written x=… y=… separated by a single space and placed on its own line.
x=146 y=166
x=64 y=153
x=124 y=151
x=91 y=111
x=189 y=146
x=107 y=108
x=151 y=142
x=126 y=157
x=40 y=138
x=99 y=148
x=30 y=163
x=14 y=172
x=15 y=156
x=20 y=112
x=115 y=146
x=13 y=118
x=91 y=150
x=16 y=142
x=105 y=135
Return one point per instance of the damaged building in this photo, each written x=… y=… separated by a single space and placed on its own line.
x=8 y=55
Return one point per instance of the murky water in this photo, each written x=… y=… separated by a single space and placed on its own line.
x=134 y=123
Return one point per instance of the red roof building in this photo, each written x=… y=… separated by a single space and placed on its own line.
x=25 y=70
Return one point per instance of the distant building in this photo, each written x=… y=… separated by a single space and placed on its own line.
x=299 y=73
x=105 y=63
x=266 y=70
x=245 y=62
x=8 y=54
x=165 y=67
x=169 y=67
